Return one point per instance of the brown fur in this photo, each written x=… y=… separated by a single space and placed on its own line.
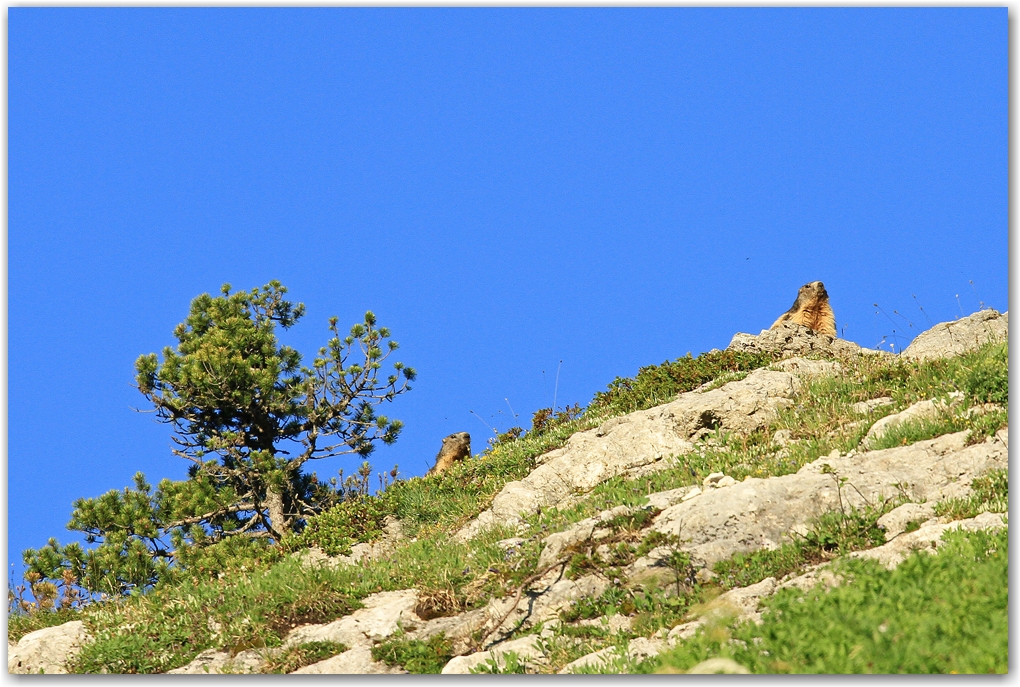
x=455 y=447
x=812 y=310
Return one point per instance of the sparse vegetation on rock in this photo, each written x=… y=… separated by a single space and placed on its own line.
x=713 y=514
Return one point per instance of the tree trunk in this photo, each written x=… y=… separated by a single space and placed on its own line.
x=277 y=520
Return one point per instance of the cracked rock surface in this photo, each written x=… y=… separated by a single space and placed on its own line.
x=760 y=513
x=642 y=439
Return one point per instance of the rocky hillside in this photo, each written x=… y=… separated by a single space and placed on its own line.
x=816 y=508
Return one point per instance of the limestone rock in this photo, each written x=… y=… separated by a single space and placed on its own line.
x=612 y=624
x=458 y=629
x=356 y=661
x=638 y=649
x=761 y=513
x=47 y=650
x=384 y=613
x=805 y=368
x=953 y=338
x=745 y=599
x=528 y=650
x=782 y=438
x=740 y=603
x=315 y=557
x=215 y=662
x=817 y=575
x=662 y=500
x=895 y=521
x=717 y=480
x=543 y=602
x=717 y=665
x=510 y=544
x=592 y=660
x=922 y=410
x=581 y=531
x=927 y=538
x=643 y=438
x=791 y=339
x=865 y=407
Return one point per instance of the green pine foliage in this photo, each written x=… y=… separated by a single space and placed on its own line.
x=249 y=417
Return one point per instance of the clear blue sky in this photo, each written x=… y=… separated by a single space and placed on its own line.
x=505 y=188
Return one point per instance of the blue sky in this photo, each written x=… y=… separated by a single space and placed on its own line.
x=504 y=188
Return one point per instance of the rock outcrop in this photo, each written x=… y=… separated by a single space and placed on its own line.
x=789 y=339
x=356 y=661
x=527 y=649
x=922 y=410
x=382 y=616
x=645 y=439
x=743 y=603
x=47 y=650
x=214 y=662
x=928 y=537
x=761 y=513
x=953 y=338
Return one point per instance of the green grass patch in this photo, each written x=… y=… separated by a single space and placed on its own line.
x=415 y=655
x=938 y=613
x=987 y=375
x=920 y=429
x=509 y=663
x=20 y=624
x=657 y=384
x=169 y=626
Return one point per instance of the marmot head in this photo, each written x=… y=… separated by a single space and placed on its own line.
x=459 y=443
x=812 y=291
x=455 y=447
x=457 y=437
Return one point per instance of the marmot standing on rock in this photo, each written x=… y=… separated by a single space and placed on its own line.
x=812 y=310
x=455 y=447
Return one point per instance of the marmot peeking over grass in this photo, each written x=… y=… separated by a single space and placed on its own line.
x=812 y=310
x=455 y=447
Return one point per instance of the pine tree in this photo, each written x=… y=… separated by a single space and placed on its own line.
x=249 y=417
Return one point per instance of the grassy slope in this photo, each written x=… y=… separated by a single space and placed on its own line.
x=254 y=600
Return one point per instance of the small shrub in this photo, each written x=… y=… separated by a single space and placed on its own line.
x=415 y=655
x=656 y=384
x=355 y=520
x=987 y=376
x=511 y=664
